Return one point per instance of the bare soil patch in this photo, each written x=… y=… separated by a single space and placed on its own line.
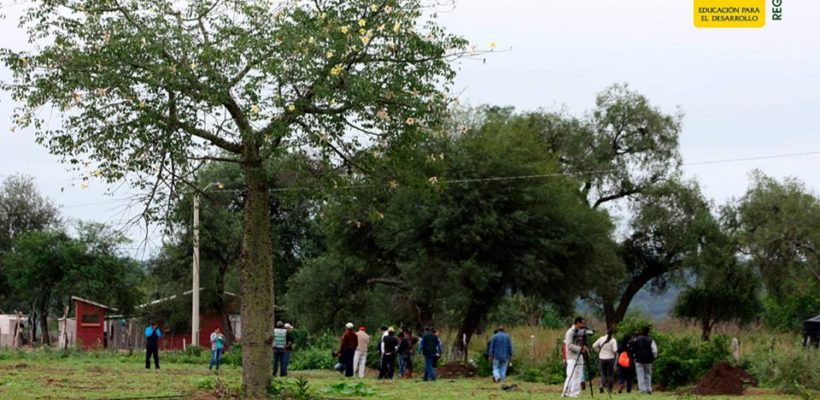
x=724 y=379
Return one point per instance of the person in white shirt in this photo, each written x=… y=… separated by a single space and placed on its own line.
x=607 y=348
x=574 y=341
x=360 y=357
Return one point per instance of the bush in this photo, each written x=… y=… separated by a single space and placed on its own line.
x=683 y=361
x=233 y=356
x=793 y=370
x=483 y=366
x=313 y=358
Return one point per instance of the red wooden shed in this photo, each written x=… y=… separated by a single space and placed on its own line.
x=90 y=328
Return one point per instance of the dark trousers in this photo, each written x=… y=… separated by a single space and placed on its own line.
x=430 y=368
x=149 y=351
x=280 y=362
x=347 y=360
x=626 y=376
x=388 y=366
x=407 y=363
x=607 y=373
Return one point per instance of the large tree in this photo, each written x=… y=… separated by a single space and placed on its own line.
x=777 y=225
x=46 y=268
x=456 y=224
x=624 y=153
x=722 y=287
x=147 y=89
x=666 y=230
x=22 y=209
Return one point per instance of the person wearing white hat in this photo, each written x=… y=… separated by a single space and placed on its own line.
x=347 y=348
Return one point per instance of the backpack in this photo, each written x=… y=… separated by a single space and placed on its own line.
x=623 y=360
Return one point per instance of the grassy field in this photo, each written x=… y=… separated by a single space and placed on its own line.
x=125 y=378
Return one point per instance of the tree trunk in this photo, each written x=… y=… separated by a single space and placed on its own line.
x=706 y=329
x=32 y=326
x=44 y=337
x=256 y=271
x=424 y=314
x=615 y=314
x=475 y=313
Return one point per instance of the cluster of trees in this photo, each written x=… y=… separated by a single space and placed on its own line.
x=44 y=260
x=352 y=97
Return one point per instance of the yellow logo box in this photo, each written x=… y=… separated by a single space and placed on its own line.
x=730 y=13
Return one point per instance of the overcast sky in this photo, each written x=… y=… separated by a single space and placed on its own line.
x=745 y=92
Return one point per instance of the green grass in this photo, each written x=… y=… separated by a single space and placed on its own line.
x=111 y=377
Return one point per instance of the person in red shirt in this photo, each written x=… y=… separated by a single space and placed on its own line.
x=347 y=348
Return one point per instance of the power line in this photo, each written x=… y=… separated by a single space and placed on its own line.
x=505 y=178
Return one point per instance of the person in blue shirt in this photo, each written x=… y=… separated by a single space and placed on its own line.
x=500 y=352
x=430 y=347
x=152 y=335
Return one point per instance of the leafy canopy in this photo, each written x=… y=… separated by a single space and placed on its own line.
x=148 y=90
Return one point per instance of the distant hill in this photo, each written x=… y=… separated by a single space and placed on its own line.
x=657 y=307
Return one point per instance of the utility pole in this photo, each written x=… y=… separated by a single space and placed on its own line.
x=195 y=272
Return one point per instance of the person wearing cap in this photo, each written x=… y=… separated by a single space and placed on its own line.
x=281 y=340
x=347 y=348
x=500 y=352
x=390 y=347
x=360 y=357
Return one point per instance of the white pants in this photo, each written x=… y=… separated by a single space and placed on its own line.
x=572 y=386
x=644 y=377
x=360 y=363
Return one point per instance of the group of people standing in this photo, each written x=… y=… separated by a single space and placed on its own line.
x=392 y=348
x=633 y=354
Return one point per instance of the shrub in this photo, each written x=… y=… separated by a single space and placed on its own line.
x=483 y=366
x=206 y=383
x=683 y=361
x=233 y=356
x=313 y=358
x=793 y=370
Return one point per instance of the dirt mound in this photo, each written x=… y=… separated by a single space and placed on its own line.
x=455 y=370
x=724 y=379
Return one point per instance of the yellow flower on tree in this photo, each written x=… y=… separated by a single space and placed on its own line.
x=291 y=107
x=344 y=29
x=410 y=121
x=335 y=71
x=329 y=54
x=362 y=22
x=397 y=27
x=255 y=109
